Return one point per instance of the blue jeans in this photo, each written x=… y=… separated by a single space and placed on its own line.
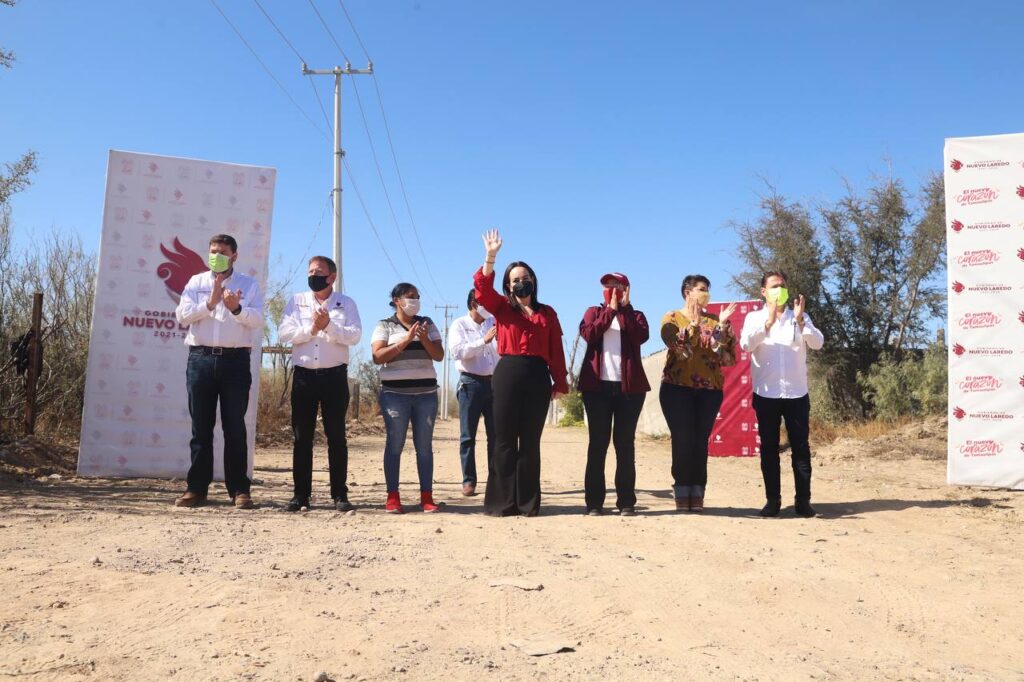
x=399 y=409
x=226 y=378
x=474 y=401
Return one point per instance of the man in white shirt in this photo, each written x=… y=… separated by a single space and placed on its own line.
x=321 y=324
x=777 y=339
x=224 y=312
x=472 y=345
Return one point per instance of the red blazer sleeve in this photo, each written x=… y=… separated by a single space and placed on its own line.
x=556 y=356
x=634 y=325
x=596 y=322
x=485 y=293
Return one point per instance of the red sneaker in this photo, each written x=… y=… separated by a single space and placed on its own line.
x=427 y=502
x=394 y=504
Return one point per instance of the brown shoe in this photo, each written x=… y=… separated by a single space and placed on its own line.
x=683 y=503
x=190 y=499
x=696 y=503
x=468 y=489
x=243 y=501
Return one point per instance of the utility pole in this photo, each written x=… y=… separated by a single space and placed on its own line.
x=446 y=363
x=338 y=72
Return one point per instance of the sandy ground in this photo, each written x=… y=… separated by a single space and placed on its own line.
x=902 y=577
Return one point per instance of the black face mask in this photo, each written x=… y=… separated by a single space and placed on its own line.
x=523 y=289
x=318 y=282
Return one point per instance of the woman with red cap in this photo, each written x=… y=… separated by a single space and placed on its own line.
x=614 y=388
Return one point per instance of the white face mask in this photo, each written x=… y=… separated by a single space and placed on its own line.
x=410 y=306
x=483 y=312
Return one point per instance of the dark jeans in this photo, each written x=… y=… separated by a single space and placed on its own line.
x=690 y=413
x=210 y=378
x=475 y=401
x=797 y=413
x=612 y=416
x=522 y=393
x=325 y=390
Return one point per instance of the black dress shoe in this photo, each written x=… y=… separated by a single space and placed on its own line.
x=342 y=504
x=772 y=507
x=804 y=509
x=627 y=511
x=296 y=503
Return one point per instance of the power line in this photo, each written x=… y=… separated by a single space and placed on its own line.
x=391 y=145
x=265 y=68
x=327 y=28
x=359 y=195
x=280 y=32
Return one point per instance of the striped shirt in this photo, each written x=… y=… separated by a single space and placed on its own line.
x=412 y=370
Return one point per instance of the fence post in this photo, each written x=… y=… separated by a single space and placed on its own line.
x=35 y=356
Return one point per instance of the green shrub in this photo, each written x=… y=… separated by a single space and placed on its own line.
x=572 y=404
x=914 y=386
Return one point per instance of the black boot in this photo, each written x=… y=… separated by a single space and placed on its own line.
x=772 y=507
x=803 y=508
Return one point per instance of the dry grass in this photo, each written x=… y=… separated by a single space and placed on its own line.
x=829 y=432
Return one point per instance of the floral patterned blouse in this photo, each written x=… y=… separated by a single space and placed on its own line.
x=697 y=352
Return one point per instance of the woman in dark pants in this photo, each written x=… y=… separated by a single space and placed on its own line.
x=699 y=345
x=530 y=346
x=614 y=387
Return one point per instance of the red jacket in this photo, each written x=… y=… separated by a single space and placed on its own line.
x=634 y=331
x=539 y=335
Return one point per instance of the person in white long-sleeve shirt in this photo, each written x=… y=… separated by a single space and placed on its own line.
x=777 y=338
x=321 y=324
x=224 y=313
x=472 y=345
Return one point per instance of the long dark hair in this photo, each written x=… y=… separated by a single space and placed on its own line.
x=507 y=287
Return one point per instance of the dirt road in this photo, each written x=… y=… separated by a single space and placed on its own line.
x=901 y=577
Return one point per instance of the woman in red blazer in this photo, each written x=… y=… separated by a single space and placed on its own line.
x=614 y=388
x=529 y=374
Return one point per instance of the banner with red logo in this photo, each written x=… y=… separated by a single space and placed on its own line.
x=735 y=431
x=985 y=241
x=158 y=217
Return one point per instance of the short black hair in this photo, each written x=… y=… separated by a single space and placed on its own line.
x=226 y=240
x=506 y=285
x=331 y=266
x=471 y=299
x=691 y=281
x=774 y=273
x=400 y=290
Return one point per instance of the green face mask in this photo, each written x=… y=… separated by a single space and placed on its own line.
x=778 y=295
x=219 y=262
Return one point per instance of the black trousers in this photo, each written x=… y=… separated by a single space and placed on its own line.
x=612 y=416
x=690 y=413
x=522 y=392
x=797 y=413
x=326 y=390
x=226 y=379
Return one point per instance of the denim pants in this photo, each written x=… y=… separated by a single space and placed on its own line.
x=690 y=413
x=475 y=401
x=399 y=410
x=209 y=378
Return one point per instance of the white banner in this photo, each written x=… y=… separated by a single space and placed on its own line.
x=985 y=215
x=158 y=217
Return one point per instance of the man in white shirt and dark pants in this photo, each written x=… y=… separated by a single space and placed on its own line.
x=777 y=339
x=471 y=343
x=224 y=312
x=321 y=324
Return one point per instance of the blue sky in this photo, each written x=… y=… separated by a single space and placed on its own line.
x=596 y=135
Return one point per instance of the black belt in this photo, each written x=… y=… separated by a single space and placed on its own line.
x=218 y=350
x=478 y=377
x=323 y=370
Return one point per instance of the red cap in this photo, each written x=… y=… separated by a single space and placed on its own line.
x=615 y=276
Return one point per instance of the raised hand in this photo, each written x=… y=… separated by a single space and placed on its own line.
x=773 y=313
x=625 y=296
x=217 y=293
x=798 y=307
x=492 y=243
x=613 y=302
x=491 y=333
x=726 y=313
x=413 y=334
